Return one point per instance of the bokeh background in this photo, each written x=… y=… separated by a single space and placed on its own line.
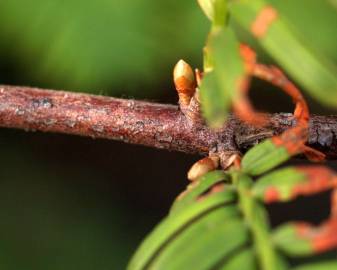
x=76 y=203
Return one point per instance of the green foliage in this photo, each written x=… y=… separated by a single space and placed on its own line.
x=332 y=265
x=208 y=8
x=263 y=157
x=197 y=188
x=291 y=51
x=293 y=40
x=215 y=10
x=219 y=86
x=286 y=238
x=175 y=225
x=223 y=65
x=219 y=227
x=284 y=181
x=244 y=259
x=256 y=218
x=220 y=222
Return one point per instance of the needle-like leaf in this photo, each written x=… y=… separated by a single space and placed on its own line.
x=263 y=157
x=315 y=72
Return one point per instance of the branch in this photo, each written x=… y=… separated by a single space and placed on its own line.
x=156 y=125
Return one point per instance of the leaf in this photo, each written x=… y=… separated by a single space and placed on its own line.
x=198 y=188
x=207 y=7
x=214 y=238
x=215 y=10
x=286 y=238
x=306 y=239
x=263 y=157
x=328 y=265
x=288 y=183
x=213 y=101
x=257 y=220
x=318 y=34
x=278 y=185
x=309 y=68
x=219 y=87
x=220 y=12
x=171 y=227
x=242 y=259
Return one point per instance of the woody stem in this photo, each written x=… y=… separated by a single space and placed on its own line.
x=139 y=122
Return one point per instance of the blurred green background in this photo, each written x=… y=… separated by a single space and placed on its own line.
x=77 y=203
x=106 y=46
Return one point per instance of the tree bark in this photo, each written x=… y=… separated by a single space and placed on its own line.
x=151 y=124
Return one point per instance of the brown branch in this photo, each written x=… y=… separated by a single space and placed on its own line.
x=138 y=122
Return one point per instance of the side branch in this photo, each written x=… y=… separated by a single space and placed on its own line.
x=139 y=122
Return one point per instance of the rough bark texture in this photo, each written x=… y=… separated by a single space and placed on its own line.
x=138 y=122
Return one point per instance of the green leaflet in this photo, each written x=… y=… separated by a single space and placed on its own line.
x=245 y=259
x=286 y=239
x=263 y=157
x=220 y=12
x=204 y=243
x=281 y=182
x=215 y=10
x=197 y=188
x=207 y=7
x=316 y=73
x=318 y=33
x=256 y=218
x=219 y=86
x=329 y=265
x=291 y=182
x=214 y=102
x=172 y=226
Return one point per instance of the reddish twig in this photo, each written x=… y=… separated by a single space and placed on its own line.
x=138 y=122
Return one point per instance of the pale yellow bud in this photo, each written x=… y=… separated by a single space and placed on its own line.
x=184 y=81
x=182 y=69
x=202 y=167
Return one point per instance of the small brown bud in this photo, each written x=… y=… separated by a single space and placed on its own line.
x=184 y=81
x=203 y=166
x=228 y=159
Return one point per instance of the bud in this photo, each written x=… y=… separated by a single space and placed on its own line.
x=184 y=81
x=202 y=167
x=230 y=159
